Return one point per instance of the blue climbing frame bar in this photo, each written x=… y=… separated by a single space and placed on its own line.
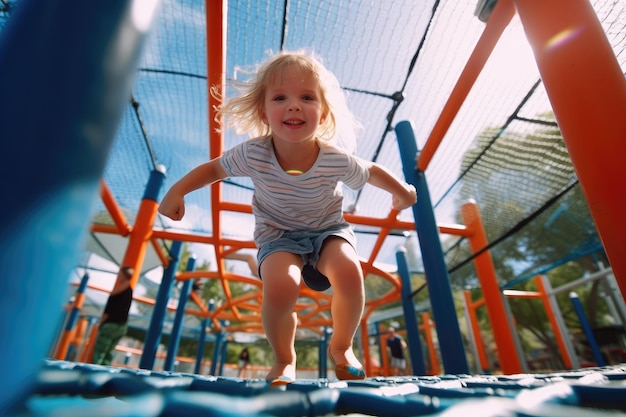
x=155 y=330
x=410 y=318
x=442 y=302
x=177 y=328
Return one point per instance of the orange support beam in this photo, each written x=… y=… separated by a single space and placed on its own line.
x=140 y=236
x=587 y=90
x=498 y=21
x=510 y=358
x=365 y=354
x=114 y=209
x=216 y=24
x=87 y=353
x=480 y=346
x=427 y=327
x=558 y=333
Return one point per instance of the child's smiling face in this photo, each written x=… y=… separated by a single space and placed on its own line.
x=293 y=107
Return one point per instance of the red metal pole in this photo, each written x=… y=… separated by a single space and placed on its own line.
x=587 y=90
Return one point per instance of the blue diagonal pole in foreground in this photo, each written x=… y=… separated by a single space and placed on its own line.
x=66 y=75
x=439 y=288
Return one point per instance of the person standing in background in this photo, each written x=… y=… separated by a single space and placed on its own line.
x=114 y=320
x=396 y=346
x=244 y=362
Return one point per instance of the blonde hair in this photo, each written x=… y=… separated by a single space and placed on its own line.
x=243 y=112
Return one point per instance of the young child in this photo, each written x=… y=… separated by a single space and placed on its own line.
x=296 y=113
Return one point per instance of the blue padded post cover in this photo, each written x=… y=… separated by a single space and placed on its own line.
x=439 y=288
x=66 y=76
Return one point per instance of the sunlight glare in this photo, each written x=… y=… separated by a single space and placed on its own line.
x=562 y=38
x=142 y=13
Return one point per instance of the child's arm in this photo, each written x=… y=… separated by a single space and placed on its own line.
x=404 y=195
x=173 y=203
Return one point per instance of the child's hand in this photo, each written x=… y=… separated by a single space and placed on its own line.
x=172 y=206
x=406 y=199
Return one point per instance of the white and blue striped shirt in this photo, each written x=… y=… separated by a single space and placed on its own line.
x=285 y=202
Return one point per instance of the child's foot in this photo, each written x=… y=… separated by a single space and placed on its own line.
x=347 y=366
x=281 y=374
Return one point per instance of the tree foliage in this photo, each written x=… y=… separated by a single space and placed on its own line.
x=533 y=207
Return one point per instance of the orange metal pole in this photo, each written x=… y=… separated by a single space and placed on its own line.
x=87 y=355
x=567 y=360
x=165 y=260
x=141 y=233
x=68 y=335
x=114 y=209
x=64 y=344
x=216 y=24
x=365 y=343
x=498 y=21
x=427 y=327
x=384 y=366
x=480 y=346
x=498 y=317
x=587 y=90
x=79 y=336
x=139 y=238
x=70 y=327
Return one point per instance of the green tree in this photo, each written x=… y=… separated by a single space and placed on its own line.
x=514 y=177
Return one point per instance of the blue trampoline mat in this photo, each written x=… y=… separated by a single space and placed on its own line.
x=76 y=389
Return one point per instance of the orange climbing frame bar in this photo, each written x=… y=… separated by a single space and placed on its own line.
x=587 y=90
x=140 y=238
x=556 y=329
x=510 y=358
x=114 y=209
x=472 y=306
x=498 y=21
x=216 y=24
x=427 y=327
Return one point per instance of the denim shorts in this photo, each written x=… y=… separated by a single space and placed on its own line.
x=308 y=243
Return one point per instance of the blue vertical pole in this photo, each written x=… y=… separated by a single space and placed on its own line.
x=55 y=153
x=584 y=323
x=201 y=342
x=219 y=338
x=439 y=288
x=155 y=329
x=381 y=345
x=412 y=327
x=177 y=328
x=323 y=355
x=223 y=357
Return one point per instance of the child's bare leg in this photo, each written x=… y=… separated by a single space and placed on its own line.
x=281 y=273
x=339 y=262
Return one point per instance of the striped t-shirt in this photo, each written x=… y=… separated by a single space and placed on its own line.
x=285 y=202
